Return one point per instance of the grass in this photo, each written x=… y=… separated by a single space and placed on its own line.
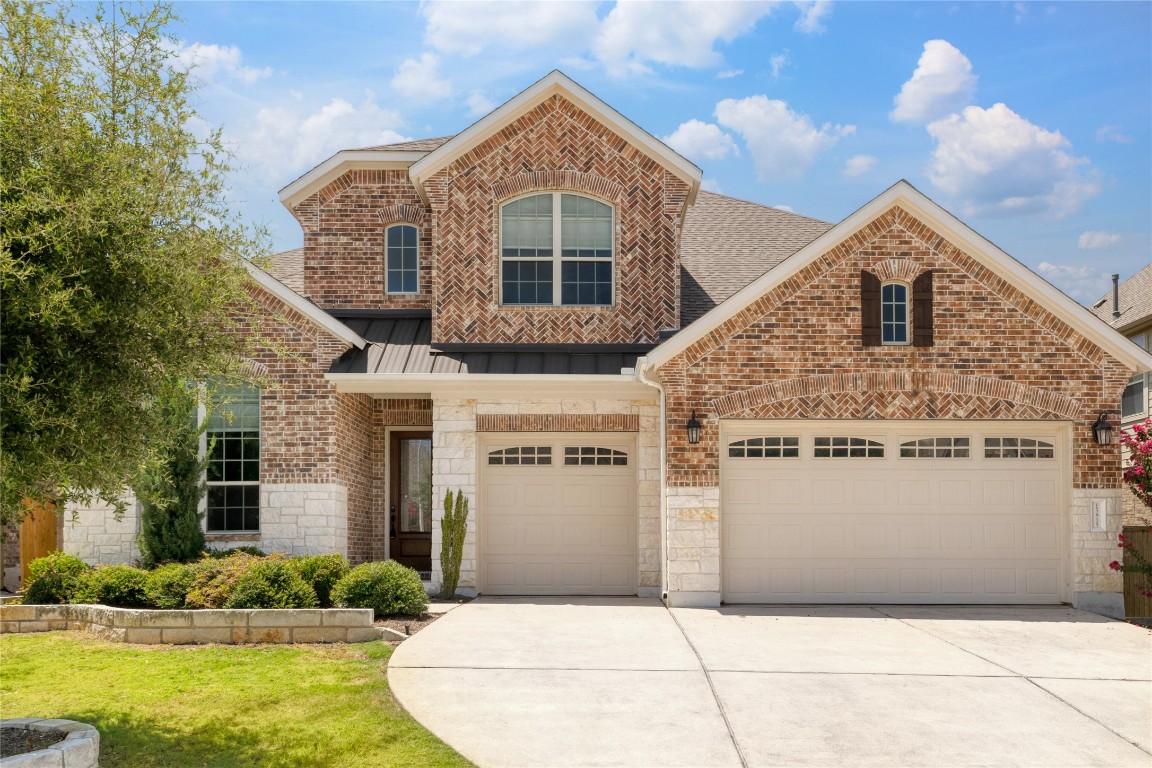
x=177 y=706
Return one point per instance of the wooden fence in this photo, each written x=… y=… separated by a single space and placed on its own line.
x=1135 y=604
x=37 y=533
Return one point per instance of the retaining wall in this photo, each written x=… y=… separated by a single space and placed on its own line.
x=138 y=625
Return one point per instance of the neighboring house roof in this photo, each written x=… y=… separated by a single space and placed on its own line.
x=288 y=268
x=555 y=82
x=1135 y=302
x=728 y=243
x=948 y=226
x=401 y=342
x=313 y=313
x=416 y=145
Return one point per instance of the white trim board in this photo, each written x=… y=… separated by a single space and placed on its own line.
x=340 y=163
x=952 y=229
x=297 y=302
x=473 y=385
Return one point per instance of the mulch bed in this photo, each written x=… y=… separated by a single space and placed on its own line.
x=408 y=625
x=17 y=741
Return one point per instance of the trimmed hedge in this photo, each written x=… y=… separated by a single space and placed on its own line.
x=121 y=586
x=271 y=583
x=323 y=572
x=168 y=585
x=384 y=586
x=54 y=579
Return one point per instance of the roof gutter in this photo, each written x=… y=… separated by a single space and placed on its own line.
x=473 y=384
x=642 y=369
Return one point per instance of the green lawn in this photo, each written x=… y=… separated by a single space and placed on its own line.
x=175 y=706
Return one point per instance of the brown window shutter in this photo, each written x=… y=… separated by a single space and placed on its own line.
x=922 y=310
x=869 y=309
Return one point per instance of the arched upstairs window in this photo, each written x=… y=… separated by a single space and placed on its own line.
x=403 y=258
x=556 y=248
x=891 y=314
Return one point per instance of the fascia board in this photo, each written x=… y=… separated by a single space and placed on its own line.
x=955 y=231
x=297 y=302
x=553 y=83
x=339 y=164
x=522 y=386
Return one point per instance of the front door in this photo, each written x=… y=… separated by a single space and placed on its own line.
x=411 y=503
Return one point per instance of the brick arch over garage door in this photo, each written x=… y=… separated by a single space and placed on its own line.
x=897 y=395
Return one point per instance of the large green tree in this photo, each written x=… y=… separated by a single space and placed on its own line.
x=121 y=255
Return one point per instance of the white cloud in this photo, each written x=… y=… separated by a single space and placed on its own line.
x=1095 y=239
x=778 y=61
x=479 y=104
x=858 y=164
x=942 y=84
x=785 y=208
x=1082 y=283
x=683 y=34
x=420 y=80
x=696 y=139
x=783 y=143
x=282 y=141
x=728 y=73
x=997 y=162
x=711 y=185
x=467 y=28
x=211 y=60
x=1112 y=133
x=812 y=15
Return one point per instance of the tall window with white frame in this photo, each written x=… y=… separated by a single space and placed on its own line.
x=894 y=313
x=233 y=442
x=564 y=260
x=403 y=258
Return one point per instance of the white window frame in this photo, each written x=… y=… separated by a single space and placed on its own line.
x=387 y=286
x=907 y=314
x=1144 y=411
x=201 y=415
x=557 y=259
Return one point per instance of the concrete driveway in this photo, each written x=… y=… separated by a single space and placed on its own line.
x=627 y=682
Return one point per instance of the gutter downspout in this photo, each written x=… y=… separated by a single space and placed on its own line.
x=641 y=371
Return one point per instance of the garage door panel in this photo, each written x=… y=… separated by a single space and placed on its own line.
x=972 y=528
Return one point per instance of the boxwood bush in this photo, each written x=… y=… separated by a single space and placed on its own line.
x=216 y=579
x=386 y=587
x=168 y=585
x=322 y=572
x=118 y=585
x=54 y=579
x=271 y=583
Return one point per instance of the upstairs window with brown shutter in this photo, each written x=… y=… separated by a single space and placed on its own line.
x=889 y=316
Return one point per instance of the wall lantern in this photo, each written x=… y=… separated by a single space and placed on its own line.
x=1102 y=430
x=693 y=429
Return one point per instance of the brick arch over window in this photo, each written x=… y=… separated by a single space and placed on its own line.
x=399 y=214
x=549 y=181
x=897 y=395
x=902 y=269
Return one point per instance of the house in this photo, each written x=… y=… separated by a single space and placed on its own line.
x=1128 y=309
x=647 y=389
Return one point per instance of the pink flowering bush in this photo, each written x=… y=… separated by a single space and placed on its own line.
x=1138 y=466
x=1138 y=564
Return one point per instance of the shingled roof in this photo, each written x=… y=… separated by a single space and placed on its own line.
x=288 y=268
x=1135 y=301
x=728 y=243
x=418 y=145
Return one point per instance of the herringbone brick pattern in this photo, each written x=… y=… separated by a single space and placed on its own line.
x=795 y=353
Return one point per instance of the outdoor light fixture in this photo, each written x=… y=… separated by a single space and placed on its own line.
x=694 y=429
x=1101 y=430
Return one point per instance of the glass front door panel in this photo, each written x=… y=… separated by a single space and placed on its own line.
x=415 y=485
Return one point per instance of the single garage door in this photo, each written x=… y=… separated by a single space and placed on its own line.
x=899 y=512
x=558 y=515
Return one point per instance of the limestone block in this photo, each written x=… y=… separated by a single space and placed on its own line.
x=319 y=634
x=111 y=634
x=699 y=582
x=166 y=618
x=290 y=617
x=346 y=617
x=192 y=635
x=219 y=618
x=261 y=635
x=33 y=626
x=362 y=634
x=141 y=635
x=19 y=612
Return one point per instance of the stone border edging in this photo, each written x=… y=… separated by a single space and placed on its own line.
x=80 y=748
x=179 y=627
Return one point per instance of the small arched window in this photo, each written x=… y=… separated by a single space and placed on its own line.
x=563 y=259
x=894 y=313
x=403 y=258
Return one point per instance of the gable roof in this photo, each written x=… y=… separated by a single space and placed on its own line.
x=728 y=243
x=955 y=231
x=317 y=316
x=416 y=145
x=288 y=268
x=1135 y=302
x=555 y=82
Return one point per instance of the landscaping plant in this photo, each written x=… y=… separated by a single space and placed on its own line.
x=216 y=579
x=387 y=587
x=453 y=528
x=1138 y=477
x=168 y=585
x=271 y=583
x=322 y=572
x=54 y=579
x=121 y=586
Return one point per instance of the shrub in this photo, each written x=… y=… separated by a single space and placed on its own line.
x=168 y=585
x=386 y=587
x=54 y=579
x=322 y=572
x=271 y=583
x=453 y=528
x=247 y=549
x=215 y=579
x=118 y=585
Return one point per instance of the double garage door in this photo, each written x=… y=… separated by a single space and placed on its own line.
x=558 y=514
x=902 y=512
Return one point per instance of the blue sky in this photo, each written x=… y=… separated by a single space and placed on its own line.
x=1030 y=121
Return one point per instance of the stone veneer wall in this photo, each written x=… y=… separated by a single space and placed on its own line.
x=1095 y=586
x=138 y=625
x=455 y=464
x=693 y=546
x=93 y=534
x=796 y=353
